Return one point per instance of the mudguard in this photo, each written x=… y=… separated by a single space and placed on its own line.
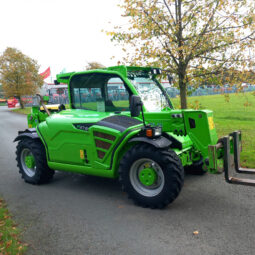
x=160 y=142
x=31 y=133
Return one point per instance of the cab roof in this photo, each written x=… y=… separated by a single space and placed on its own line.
x=123 y=70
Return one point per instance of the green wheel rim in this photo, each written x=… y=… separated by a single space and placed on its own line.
x=147 y=177
x=28 y=163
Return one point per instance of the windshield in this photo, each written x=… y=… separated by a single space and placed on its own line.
x=150 y=92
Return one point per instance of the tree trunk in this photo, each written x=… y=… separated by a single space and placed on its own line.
x=20 y=102
x=183 y=87
x=183 y=95
x=182 y=65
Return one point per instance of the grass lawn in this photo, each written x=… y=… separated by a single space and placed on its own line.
x=26 y=110
x=237 y=114
x=9 y=234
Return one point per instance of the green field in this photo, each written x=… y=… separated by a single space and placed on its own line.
x=237 y=114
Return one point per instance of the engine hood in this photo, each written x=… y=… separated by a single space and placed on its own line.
x=81 y=116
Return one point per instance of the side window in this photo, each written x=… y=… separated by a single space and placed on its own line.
x=88 y=98
x=117 y=96
x=102 y=92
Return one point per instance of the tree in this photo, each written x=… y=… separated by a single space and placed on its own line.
x=193 y=39
x=94 y=65
x=19 y=74
x=1 y=91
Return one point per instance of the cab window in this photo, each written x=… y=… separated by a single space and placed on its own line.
x=117 y=95
x=99 y=92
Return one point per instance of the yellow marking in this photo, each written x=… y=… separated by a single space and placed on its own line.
x=30 y=126
x=50 y=107
x=82 y=154
x=211 y=123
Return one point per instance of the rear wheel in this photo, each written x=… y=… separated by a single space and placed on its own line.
x=195 y=169
x=32 y=162
x=151 y=177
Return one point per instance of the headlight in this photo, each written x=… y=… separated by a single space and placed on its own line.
x=157 y=131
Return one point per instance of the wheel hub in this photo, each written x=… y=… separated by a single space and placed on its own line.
x=147 y=176
x=30 y=161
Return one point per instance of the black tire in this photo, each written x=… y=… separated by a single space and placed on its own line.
x=170 y=166
x=40 y=173
x=195 y=169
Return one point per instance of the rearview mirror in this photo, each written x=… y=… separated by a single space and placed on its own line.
x=135 y=105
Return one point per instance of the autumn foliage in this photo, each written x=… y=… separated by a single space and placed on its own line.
x=194 y=40
x=19 y=74
x=94 y=65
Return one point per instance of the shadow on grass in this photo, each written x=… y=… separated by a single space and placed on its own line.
x=241 y=118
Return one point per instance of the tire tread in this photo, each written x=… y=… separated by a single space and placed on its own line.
x=43 y=173
x=174 y=171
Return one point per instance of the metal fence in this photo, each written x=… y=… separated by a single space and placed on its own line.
x=204 y=91
x=62 y=98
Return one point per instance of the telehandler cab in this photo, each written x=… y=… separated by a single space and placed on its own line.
x=122 y=124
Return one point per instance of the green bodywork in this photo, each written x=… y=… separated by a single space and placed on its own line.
x=98 y=149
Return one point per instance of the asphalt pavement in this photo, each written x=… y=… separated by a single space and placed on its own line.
x=76 y=214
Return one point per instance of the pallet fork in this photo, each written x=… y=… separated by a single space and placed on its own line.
x=231 y=146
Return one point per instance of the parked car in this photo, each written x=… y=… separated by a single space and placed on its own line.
x=12 y=102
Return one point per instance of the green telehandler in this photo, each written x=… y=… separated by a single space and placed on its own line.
x=122 y=124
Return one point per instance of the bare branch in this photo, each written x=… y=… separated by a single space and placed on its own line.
x=166 y=34
x=223 y=45
x=169 y=10
x=188 y=10
x=226 y=28
x=202 y=33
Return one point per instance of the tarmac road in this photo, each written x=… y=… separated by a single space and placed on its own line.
x=77 y=214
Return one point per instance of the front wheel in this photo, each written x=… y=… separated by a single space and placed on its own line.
x=151 y=177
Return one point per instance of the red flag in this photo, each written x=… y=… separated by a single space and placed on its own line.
x=46 y=73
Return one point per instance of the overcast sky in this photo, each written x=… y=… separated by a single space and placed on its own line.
x=61 y=33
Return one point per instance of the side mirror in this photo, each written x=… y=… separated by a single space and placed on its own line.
x=135 y=106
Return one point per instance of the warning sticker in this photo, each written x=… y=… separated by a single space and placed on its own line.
x=211 y=123
x=82 y=154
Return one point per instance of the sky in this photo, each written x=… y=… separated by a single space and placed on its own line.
x=61 y=33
